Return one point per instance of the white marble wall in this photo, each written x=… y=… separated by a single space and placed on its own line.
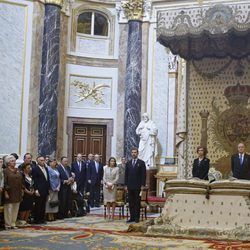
x=15 y=51
x=91 y=46
x=158 y=91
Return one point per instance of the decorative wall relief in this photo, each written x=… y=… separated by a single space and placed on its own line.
x=232 y=125
x=87 y=92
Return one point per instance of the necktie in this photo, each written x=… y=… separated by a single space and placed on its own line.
x=241 y=159
x=66 y=172
x=45 y=173
x=134 y=161
x=96 y=166
x=80 y=167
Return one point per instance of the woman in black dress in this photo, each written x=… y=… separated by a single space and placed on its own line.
x=201 y=164
x=27 y=202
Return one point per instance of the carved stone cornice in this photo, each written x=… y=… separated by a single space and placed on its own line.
x=133 y=9
x=55 y=2
x=88 y=61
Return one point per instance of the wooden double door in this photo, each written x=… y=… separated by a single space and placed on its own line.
x=89 y=139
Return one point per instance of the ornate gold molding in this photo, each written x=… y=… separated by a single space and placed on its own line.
x=133 y=9
x=55 y=2
x=85 y=91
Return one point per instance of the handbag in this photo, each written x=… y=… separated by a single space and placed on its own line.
x=53 y=203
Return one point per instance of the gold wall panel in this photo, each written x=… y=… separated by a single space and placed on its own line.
x=207 y=79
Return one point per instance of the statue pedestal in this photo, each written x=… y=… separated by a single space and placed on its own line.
x=197 y=209
x=151 y=181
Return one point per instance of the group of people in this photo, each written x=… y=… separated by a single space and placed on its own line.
x=240 y=164
x=45 y=187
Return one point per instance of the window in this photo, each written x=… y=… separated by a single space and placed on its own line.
x=92 y=23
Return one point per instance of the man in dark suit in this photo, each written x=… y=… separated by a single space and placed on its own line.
x=41 y=186
x=95 y=179
x=88 y=164
x=135 y=180
x=78 y=167
x=240 y=163
x=65 y=195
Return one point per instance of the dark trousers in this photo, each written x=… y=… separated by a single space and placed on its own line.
x=95 y=194
x=39 y=209
x=134 y=203
x=80 y=186
x=65 y=201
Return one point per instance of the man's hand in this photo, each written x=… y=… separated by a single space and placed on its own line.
x=37 y=193
x=71 y=180
x=30 y=193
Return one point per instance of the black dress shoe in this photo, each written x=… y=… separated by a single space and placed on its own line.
x=136 y=221
x=130 y=221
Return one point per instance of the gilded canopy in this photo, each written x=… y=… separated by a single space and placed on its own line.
x=198 y=32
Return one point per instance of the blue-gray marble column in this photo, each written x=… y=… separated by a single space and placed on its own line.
x=133 y=86
x=47 y=133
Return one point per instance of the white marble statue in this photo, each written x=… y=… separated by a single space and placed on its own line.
x=148 y=144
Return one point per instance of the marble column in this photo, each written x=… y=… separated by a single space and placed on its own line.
x=47 y=133
x=132 y=114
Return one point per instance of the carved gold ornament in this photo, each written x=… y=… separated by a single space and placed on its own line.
x=133 y=9
x=85 y=91
x=232 y=125
x=55 y=2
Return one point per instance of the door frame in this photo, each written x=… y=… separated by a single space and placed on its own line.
x=109 y=123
